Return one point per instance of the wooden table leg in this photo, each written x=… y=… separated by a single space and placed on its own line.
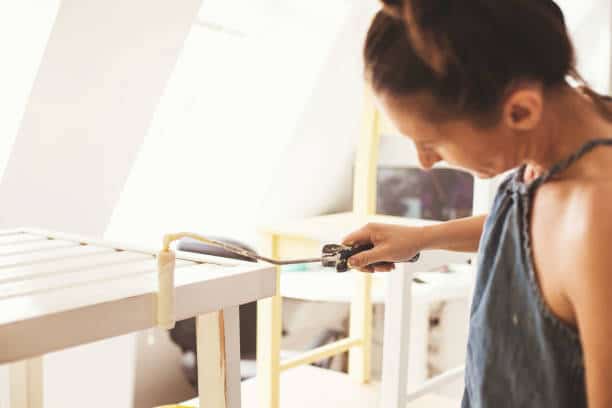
x=268 y=351
x=269 y=335
x=218 y=346
x=396 y=338
x=26 y=383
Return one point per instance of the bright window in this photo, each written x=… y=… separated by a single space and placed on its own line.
x=228 y=112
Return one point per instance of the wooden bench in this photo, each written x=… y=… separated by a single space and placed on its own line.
x=59 y=291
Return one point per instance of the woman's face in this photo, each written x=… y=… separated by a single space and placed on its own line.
x=457 y=142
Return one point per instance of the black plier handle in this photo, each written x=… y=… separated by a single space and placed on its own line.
x=337 y=256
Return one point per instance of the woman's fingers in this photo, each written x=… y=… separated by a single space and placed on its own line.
x=378 y=267
x=392 y=243
x=362 y=235
x=365 y=258
x=366 y=269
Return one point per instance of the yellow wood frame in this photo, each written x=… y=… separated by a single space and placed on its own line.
x=269 y=311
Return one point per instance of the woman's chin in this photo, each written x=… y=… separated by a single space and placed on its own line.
x=484 y=174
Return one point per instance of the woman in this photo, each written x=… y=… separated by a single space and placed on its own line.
x=485 y=85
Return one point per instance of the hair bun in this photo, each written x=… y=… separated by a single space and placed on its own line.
x=393 y=8
x=466 y=53
x=436 y=26
x=392 y=3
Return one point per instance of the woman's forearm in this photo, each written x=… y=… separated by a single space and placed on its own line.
x=461 y=235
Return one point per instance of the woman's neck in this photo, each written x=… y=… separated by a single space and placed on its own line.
x=570 y=120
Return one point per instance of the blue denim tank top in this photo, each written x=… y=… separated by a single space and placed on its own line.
x=519 y=353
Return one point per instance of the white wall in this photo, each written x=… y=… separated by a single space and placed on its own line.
x=103 y=71
x=315 y=173
x=100 y=79
x=24 y=31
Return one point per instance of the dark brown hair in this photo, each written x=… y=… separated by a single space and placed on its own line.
x=467 y=54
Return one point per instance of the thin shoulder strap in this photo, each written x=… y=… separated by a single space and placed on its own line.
x=564 y=164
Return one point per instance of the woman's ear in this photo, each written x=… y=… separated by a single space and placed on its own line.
x=523 y=109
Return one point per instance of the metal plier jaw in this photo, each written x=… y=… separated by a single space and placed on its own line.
x=336 y=256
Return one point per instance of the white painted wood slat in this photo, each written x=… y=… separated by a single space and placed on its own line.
x=7 y=232
x=189 y=256
x=36 y=246
x=100 y=257
x=42 y=257
x=40 y=304
x=86 y=277
x=191 y=277
x=21 y=237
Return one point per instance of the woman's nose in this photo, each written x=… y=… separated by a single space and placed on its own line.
x=428 y=159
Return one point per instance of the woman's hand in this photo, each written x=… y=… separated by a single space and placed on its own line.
x=399 y=243
x=392 y=243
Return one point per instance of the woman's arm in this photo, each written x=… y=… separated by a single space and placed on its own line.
x=395 y=243
x=461 y=235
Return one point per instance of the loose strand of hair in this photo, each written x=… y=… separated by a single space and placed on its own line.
x=602 y=102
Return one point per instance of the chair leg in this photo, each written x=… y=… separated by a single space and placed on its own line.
x=396 y=338
x=361 y=328
x=218 y=346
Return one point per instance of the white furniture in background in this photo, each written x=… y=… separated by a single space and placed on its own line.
x=59 y=291
x=434 y=290
x=304 y=238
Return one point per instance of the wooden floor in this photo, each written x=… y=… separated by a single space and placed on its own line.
x=308 y=387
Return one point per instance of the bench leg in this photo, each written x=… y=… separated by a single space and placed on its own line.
x=26 y=383
x=218 y=346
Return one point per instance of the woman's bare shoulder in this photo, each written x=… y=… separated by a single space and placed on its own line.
x=586 y=214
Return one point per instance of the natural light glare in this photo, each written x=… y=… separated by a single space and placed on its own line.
x=25 y=26
x=589 y=28
x=229 y=110
x=260 y=16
